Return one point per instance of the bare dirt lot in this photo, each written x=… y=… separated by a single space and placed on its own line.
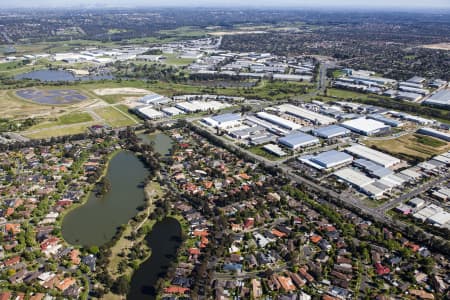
x=121 y=91
x=440 y=46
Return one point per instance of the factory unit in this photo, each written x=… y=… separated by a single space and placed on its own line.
x=274 y=149
x=434 y=133
x=149 y=113
x=172 y=111
x=196 y=106
x=377 y=157
x=298 y=140
x=373 y=169
x=278 y=121
x=332 y=131
x=224 y=121
x=306 y=114
x=441 y=98
x=385 y=120
x=154 y=99
x=246 y=132
x=360 y=181
x=327 y=160
x=365 y=126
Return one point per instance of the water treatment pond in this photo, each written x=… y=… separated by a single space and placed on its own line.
x=59 y=75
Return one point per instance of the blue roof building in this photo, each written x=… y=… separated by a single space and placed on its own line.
x=297 y=140
x=226 y=118
x=331 y=131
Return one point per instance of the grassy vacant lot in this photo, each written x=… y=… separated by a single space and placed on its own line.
x=124 y=109
x=115 y=117
x=174 y=60
x=258 y=150
x=67 y=119
x=411 y=146
x=57 y=131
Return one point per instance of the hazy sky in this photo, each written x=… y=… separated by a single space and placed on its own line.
x=406 y=4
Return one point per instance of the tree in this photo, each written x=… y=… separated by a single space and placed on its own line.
x=121 y=286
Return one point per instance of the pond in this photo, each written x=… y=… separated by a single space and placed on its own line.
x=59 y=75
x=164 y=240
x=96 y=221
x=51 y=96
x=162 y=143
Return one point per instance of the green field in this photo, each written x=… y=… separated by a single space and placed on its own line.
x=58 y=131
x=174 y=60
x=67 y=119
x=258 y=150
x=115 y=117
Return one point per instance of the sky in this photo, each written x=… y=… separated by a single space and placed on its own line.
x=405 y=4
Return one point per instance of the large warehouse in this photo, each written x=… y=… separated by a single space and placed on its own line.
x=332 y=131
x=441 y=98
x=224 y=121
x=195 y=106
x=150 y=113
x=306 y=114
x=365 y=126
x=361 y=182
x=378 y=157
x=298 y=140
x=327 y=160
x=278 y=121
x=435 y=133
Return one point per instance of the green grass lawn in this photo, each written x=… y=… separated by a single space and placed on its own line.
x=258 y=150
x=67 y=119
x=58 y=131
x=114 y=117
x=174 y=60
x=125 y=110
x=429 y=141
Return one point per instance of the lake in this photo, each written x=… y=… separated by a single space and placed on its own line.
x=59 y=75
x=164 y=240
x=96 y=222
x=162 y=143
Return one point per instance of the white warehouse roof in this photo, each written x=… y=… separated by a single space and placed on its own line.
x=278 y=121
x=149 y=112
x=306 y=114
x=365 y=126
x=297 y=140
x=378 y=157
x=354 y=177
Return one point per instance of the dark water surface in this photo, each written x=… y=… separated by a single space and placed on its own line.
x=164 y=240
x=96 y=222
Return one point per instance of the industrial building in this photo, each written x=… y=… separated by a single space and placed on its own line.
x=385 y=120
x=377 y=157
x=154 y=99
x=274 y=149
x=224 y=121
x=298 y=140
x=149 y=113
x=196 y=106
x=306 y=114
x=365 y=126
x=373 y=169
x=332 y=131
x=327 y=160
x=441 y=98
x=434 y=133
x=278 y=121
x=172 y=111
x=360 y=181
